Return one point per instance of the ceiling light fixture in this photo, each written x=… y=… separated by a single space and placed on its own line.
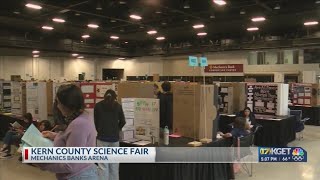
x=16 y=12
x=121 y=58
x=33 y=6
x=113 y=21
x=59 y=20
x=77 y=14
x=202 y=34
x=126 y=42
x=198 y=26
x=186 y=5
x=220 y=2
x=94 y=26
x=75 y=54
x=160 y=38
x=114 y=37
x=277 y=7
x=152 y=32
x=212 y=16
x=242 y=12
x=35 y=52
x=258 y=19
x=134 y=16
x=317 y=2
x=252 y=29
x=186 y=20
x=311 y=23
x=47 y=28
x=158 y=12
x=122 y=2
x=80 y=57
x=85 y=36
x=36 y=55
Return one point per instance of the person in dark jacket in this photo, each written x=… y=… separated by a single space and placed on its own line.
x=166 y=106
x=109 y=120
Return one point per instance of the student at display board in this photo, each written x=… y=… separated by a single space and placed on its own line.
x=166 y=105
x=14 y=136
x=248 y=115
x=79 y=132
x=109 y=120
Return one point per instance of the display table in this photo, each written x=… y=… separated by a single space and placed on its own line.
x=309 y=112
x=5 y=120
x=275 y=131
x=178 y=171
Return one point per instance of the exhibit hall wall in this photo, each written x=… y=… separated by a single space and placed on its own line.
x=60 y=68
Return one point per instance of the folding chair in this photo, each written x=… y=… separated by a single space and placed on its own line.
x=246 y=141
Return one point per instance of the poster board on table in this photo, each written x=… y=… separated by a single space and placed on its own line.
x=268 y=98
x=36 y=103
x=189 y=101
x=5 y=96
x=142 y=118
x=304 y=94
x=233 y=97
x=18 y=98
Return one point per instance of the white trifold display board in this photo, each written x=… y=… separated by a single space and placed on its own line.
x=142 y=119
x=18 y=98
x=37 y=100
x=5 y=96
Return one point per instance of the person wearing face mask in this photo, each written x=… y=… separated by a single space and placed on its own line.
x=79 y=131
x=109 y=120
x=14 y=136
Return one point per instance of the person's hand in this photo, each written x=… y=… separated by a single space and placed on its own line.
x=48 y=134
x=227 y=135
x=20 y=131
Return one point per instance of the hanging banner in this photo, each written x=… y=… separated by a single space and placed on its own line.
x=224 y=68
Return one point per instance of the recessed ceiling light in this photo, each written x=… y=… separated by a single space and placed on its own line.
x=198 y=26
x=36 y=55
x=186 y=5
x=114 y=37
x=85 y=36
x=121 y=58
x=75 y=54
x=220 y=2
x=113 y=21
x=141 y=27
x=122 y=2
x=77 y=14
x=59 y=20
x=94 y=26
x=164 y=23
x=277 y=7
x=47 y=28
x=160 y=38
x=317 y=2
x=212 y=16
x=64 y=11
x=16 y=12
x=152 y=32
x=202 y=34
x=158 y=12
x=99 y=8
x=242 y=12
x=186 y=20
x=80 y=57
x=134 y=16
x=252 y=29
x=126 y=42
x=311 y=23
x=81 y=41
x=258 y=19
x=33 y=6
x=35 y=52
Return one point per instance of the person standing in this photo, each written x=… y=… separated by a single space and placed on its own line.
x=79 y=132
x=166 y=106
x=109 y=120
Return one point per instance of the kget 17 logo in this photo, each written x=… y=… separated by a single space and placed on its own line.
x=287 y=154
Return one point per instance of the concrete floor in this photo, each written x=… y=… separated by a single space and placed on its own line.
x=13 y=169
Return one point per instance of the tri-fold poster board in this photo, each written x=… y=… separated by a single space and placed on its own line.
x=36 y=99
x=142 y=119
x=268 y=98
x=5 y=96
x=18 y=98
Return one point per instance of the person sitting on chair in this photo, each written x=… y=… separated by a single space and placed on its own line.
x=248 y=115
x=239 y=129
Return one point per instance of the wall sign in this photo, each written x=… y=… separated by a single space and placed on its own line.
x=224 y=68
x=193 y=61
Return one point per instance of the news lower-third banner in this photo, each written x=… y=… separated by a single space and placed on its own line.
x=163 y=154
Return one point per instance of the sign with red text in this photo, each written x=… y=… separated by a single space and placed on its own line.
x=224 y=68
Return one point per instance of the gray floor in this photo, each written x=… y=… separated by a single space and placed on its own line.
x=14 y=170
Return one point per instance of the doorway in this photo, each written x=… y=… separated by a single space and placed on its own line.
x=112 y=74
